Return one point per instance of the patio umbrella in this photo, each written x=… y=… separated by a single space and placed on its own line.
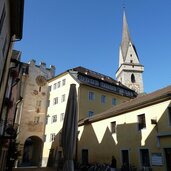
x=69 y=130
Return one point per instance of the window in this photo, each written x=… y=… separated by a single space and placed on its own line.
x=133 y=78
x=113 y=101
x=48 y=103
x=50 y=88
x=59 y=84
x=36 y=119
x=113 y=127
x=144 y=156
x=63 y=82
x=54 y=86
x=125 y=157
x=55 y=101
x=62 y=117
x=46 y=119
x=2 y=18
x=103 y=99
x=91 y=96
x=44 y=138
x=63 y=98
x=90 y=113
x=54 y=118
x=52 y=137
x=169 y=113
x=141 y=122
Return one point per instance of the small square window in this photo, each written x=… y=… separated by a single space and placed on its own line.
x=54 y=118
x=52 y=137
x=36 y=119
x=90 y=113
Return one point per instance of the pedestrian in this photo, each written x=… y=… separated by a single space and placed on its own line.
x=113 y=164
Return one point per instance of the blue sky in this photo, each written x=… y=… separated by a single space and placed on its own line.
x=70 y=33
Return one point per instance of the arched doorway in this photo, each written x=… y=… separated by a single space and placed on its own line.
x=32 y=151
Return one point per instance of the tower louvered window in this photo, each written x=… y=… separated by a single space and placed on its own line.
x=133 y=78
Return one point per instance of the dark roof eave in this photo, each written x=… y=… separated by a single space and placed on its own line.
x=17 y=15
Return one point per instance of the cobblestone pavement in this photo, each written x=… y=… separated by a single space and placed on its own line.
x=34 y=169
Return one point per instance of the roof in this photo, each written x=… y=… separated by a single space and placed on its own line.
x=97 y=80
x=102 y=81
x=126 y=39
x=133 y=104
x=17 y=13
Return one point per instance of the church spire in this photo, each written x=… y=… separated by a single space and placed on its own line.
x=130 y=70
x=125 y=38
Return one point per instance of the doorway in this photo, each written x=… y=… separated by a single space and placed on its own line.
x=168 y=158
x=125 y=158
x=85 y=156
x=32 y=151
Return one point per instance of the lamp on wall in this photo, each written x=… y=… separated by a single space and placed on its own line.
x=153 y=121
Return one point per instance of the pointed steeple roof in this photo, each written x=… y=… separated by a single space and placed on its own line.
x=125 y=37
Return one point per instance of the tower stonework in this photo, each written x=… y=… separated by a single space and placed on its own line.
x=33 y=112
x=130 y=70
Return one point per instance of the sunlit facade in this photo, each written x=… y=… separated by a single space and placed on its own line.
x=96 y=93
x=137 y=133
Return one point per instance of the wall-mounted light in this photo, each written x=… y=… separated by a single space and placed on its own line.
x=153 y=121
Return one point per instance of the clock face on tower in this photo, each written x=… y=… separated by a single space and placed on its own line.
x=41 y=80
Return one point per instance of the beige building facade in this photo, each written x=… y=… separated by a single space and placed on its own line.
x=96 y=93
x=136 y=132
x=11 y=26
x=32 y=112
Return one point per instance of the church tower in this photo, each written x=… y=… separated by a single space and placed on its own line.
x=130 y=70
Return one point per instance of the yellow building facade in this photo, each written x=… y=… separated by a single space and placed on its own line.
x=136 y=132
x=96 y=93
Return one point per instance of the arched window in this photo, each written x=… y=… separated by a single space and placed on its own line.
x=133 y=78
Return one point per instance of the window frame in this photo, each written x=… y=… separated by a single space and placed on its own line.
x=114 y=101
x=141 y=121
x=52 y=137
x=90 y=113
x=62 y=117
x=113 y=127
x=103 y=99
x=55 y=100
x=63 y=97
x=54 y=119
x=91 y=95
x=63 y=82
